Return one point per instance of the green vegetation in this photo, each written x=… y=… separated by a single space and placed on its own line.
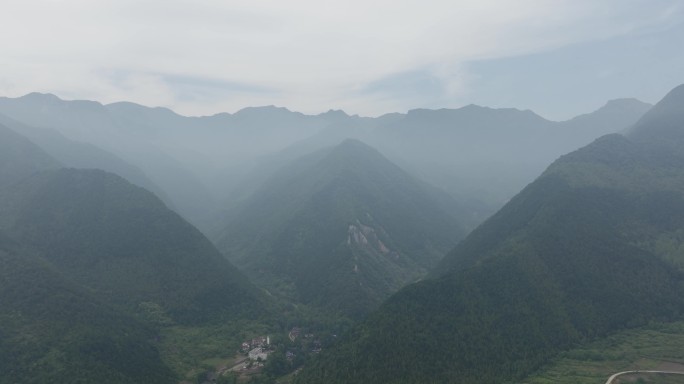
x=52 y=330
x=190 y=350
x=653 y=347
x=124 y=244
x=100 y=282
x=584 y=251
x=341 y=229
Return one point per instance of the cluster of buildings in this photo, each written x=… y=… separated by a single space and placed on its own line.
x=257 y=348
x=258 y=354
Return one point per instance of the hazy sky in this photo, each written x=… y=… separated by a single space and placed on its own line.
x=556 y=57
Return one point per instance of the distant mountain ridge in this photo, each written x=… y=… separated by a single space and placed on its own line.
x=590 y=247
x=20 y=158
x=474 y=152
x=205 y=164
x=91 y=122
x=339 y=228
x=663 y=123
x=83 y=155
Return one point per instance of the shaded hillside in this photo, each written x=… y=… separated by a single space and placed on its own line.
x=342 y=229
x=92 y=268
x=53 y=330
x=122 y=242
x=591 y=247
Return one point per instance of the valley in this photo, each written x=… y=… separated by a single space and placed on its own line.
x=334 y=251
x=568 y=260
x=306 y=192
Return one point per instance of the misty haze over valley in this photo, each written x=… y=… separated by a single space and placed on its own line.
x=261 y=192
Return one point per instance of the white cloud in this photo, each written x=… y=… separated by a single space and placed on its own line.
x=313 y=55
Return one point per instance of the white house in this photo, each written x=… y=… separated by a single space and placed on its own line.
x=258 y=353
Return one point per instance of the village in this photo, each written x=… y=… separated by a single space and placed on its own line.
x=257 y=351
x=254 y=355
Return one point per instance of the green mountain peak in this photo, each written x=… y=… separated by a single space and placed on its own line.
x=590 y=247
x=340 y=228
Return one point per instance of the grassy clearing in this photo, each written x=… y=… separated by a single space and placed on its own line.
x=656 y=346
x=191 y=350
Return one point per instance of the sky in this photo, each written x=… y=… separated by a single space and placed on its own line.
x=559 y=58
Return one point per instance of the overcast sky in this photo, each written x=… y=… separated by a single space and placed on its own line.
x=558 y=58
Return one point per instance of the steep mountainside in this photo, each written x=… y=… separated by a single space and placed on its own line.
x=341 y=228
x=53 y=330
x=122 y=242
x=592 y=246
x=93 y=267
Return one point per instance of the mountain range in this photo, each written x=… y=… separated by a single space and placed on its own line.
x=590 y=247
x=92 y=267
x=478 y=153
x=203 y=166
x=100 y=204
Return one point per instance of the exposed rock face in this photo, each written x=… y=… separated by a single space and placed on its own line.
x=337 y=220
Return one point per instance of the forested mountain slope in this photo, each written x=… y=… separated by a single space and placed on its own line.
x=341 y=228
x=592 y=246
x=91 y=268
x=53 y=330
x=122 y=242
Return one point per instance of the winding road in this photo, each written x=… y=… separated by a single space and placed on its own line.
x=610 y=379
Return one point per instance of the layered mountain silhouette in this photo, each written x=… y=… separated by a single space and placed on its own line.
x=122 y=242
x=92 y=266
x=341 y=228
x=20 y=158
x=75 y=154
x=592 y=246
x=338 y=227
x=92 y=123
x=477 y=152
x=204 y=165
